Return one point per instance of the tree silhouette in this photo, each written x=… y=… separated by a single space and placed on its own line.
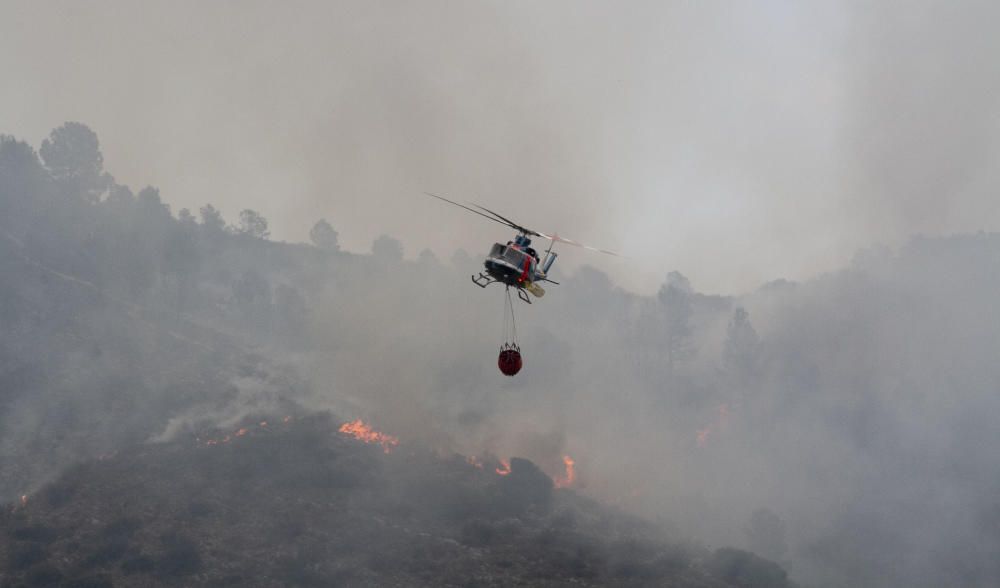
x=324 y=236
x=252 y=224
x=120 y=200
x=739 y=355
x=211 y=220
x=21 y=178
x=152 y=207
x=73 y=155
x=385 y=248
x=185 y=218
x=675 y=302
x=427 y=257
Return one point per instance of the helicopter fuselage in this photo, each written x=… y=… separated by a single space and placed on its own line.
x=511 y=265
x=516 y=264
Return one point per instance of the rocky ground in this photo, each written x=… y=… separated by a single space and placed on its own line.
x=297 y=503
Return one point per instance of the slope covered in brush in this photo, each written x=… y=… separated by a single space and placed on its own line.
x=296 y=503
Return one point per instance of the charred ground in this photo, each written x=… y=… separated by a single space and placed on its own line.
x=297 y=503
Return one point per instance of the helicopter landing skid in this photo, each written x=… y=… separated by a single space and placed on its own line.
x=482 y=280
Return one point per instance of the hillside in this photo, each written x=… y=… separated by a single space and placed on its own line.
x=842 y=425
x=298 y=504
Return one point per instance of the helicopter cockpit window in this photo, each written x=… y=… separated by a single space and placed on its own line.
x=514 y=256
x=497 y=250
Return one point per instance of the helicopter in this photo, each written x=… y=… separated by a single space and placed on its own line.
x=517 y=264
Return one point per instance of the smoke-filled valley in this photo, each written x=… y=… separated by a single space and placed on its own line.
x=172 y=390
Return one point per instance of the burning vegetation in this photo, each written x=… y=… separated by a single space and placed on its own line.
x=362 y=432
x=305 y=504
x=111 y=341
x=717 y=426
x=569 y=477
x=365 y=433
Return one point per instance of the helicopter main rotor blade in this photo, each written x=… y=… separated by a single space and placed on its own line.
x=552 y=237
x=559 y=239
x=497 y=218
x=508 y=221
x=502 y=222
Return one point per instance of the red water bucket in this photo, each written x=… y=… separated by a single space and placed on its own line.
x=509 y=361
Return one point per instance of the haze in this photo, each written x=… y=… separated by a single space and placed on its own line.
x=796 y=358
x=735 y=143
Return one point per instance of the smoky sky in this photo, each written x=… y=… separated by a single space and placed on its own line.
x=736 y=143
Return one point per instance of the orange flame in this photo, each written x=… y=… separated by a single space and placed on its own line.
x=504 y=468
x=24 y=500
x=225 y=439
x=474 y=461
x=241 y=432
x=570 y=477
x=720 y=424
x=362 y=432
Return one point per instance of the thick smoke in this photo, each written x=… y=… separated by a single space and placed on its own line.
x=840 y=424
x=853 y=408
x=774 y=140
x=923 y=119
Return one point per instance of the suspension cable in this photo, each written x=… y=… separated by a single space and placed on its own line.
x=505 y=323
x=513 y=323
x=509 y=326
